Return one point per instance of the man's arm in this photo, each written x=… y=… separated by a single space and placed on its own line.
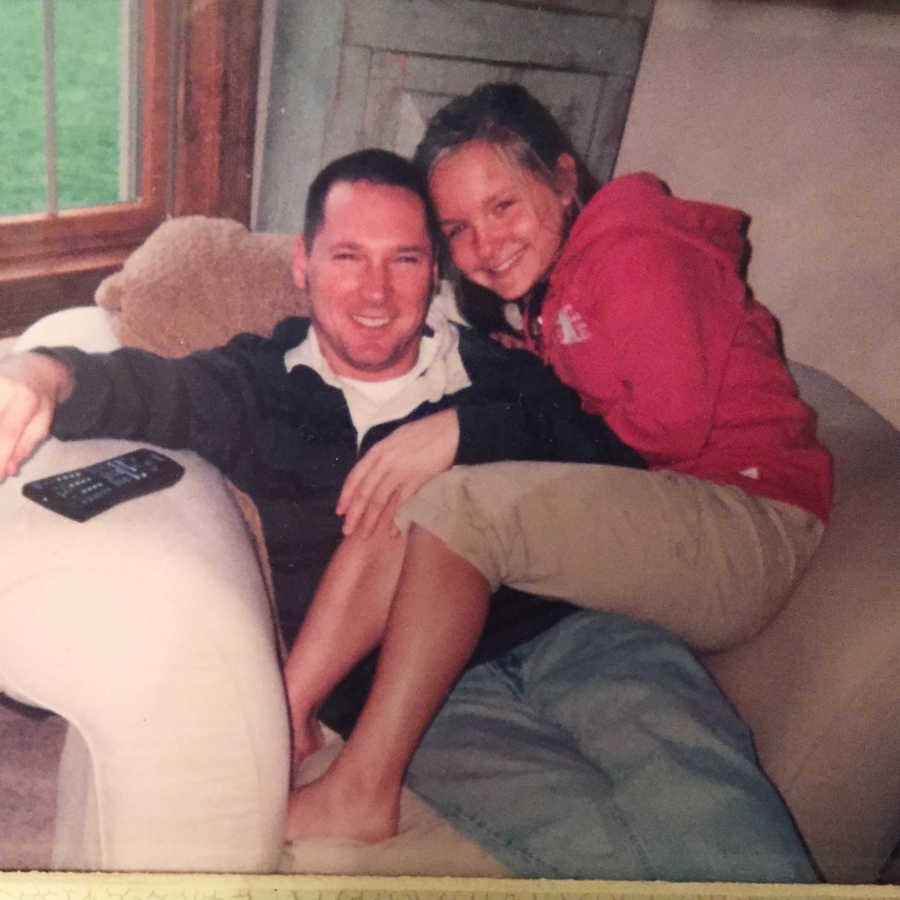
x=526 y=412
x=31 y=387
x=515 y=409
x=200 y=402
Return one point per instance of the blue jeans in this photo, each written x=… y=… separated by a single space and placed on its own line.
x=603 y=749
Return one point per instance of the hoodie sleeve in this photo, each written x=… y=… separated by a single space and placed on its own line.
x=658 y=316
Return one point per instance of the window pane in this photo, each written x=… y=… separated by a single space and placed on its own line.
x=86 y=62
x=87 y=101
x=23 y=184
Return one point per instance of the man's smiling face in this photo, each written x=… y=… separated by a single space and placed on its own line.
x=369 y=274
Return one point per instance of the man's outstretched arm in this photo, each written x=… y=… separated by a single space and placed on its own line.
x=31 y=386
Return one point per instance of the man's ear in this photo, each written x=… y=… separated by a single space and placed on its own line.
x=565 y=177
x=298 y=262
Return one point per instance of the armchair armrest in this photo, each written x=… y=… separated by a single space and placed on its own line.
x=149 y=629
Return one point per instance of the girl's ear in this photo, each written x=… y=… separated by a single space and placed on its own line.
x=298 y=263
x=565 y=177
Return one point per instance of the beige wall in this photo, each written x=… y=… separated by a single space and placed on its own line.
x=790 y=111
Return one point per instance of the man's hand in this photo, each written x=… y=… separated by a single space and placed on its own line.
x=396 y=467
x=31 y=385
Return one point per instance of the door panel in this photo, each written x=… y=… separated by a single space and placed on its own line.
x=359 y=73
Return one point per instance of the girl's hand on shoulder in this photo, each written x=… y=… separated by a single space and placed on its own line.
x=396 y=467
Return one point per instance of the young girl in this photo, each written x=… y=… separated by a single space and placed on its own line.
x=637 y=300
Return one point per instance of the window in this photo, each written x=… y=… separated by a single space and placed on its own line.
x=188 y=98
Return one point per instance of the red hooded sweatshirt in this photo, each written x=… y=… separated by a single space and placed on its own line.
x=647 y=316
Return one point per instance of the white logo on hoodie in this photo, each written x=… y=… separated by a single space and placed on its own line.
x=570 y=326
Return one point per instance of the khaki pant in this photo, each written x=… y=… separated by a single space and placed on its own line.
x=709 y=562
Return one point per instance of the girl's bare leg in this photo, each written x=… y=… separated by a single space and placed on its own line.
x=433 y=627
x=345 y=621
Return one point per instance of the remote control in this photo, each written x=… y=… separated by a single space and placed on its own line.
x=82 y=493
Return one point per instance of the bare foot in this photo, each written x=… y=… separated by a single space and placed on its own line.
x=308 y=738
x=328 y=807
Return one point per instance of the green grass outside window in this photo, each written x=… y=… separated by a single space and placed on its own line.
x=86 y=36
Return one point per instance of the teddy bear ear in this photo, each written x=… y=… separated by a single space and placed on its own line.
x=109 y=292
x=197 y=281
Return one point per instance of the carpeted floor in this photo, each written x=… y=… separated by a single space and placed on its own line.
x=30 y=744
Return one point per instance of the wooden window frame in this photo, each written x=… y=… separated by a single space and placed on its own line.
x=200 y=63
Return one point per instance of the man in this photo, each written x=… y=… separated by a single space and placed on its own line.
x=589 y=745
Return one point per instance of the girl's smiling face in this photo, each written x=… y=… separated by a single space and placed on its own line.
x=503 y=223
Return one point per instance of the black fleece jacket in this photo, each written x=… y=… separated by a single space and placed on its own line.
x=287 y=440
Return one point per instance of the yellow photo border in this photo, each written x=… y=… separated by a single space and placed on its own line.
x=141 y=886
